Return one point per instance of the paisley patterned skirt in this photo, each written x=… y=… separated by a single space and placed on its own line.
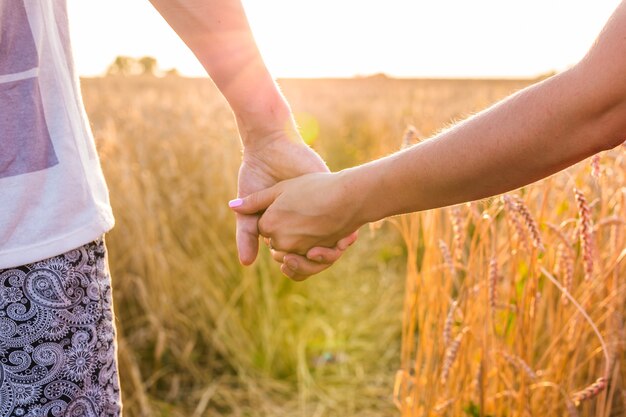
x=58 y=355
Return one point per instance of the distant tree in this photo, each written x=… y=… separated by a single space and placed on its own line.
x=378 y=76
x=172 y=72
x=125 y=66
x=148 y=65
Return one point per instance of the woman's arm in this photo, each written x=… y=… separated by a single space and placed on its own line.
x=528 y=136
x=218 y=33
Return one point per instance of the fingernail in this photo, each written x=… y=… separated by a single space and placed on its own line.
x=319 y=258
x=292 y=264
x=237 y=202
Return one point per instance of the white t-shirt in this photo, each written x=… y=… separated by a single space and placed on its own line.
x=53 y=197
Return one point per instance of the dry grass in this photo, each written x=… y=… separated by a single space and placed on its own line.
x=200 y=335
x=530 y=319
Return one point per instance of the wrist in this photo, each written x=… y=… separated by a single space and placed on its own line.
x=262 y=120
x=360 y=187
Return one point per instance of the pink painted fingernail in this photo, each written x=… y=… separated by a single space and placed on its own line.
x=237 y=202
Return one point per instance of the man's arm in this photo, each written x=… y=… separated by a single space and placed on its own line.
x=218 y=33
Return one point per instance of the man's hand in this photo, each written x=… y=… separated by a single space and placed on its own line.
x=275 y=157
x=219 y=35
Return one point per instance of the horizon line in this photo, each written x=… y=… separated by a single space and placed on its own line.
x=380 y=76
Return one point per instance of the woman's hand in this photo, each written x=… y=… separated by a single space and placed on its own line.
x=314 y=210
x=268 y=158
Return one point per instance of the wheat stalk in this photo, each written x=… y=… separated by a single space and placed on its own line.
x=513 y=216
x=457 y=228
x=447 y=257
x=591 y=391
x=529 y=221
x=595 y=166
x=585 y=232
x=450 y=355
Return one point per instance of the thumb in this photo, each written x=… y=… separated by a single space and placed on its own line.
x=255 y=202
x=247 y=238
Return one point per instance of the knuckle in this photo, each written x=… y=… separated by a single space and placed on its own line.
x=269 y=223
x=291 y=245
x=279 y=244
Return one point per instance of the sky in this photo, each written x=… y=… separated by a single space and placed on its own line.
x=344 y=38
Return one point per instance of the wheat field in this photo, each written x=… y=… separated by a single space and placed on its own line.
x=447 y=312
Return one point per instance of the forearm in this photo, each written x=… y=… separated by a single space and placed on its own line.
x=218 y=33
x=532 y=134
x=529 y=136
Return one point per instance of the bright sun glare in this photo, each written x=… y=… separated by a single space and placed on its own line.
x=329 y=38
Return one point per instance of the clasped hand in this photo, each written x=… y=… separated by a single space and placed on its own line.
x=301 y=217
